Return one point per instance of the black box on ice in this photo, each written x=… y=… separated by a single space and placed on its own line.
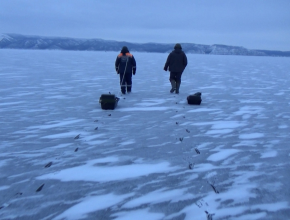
x=194 y=99
x=108 y=101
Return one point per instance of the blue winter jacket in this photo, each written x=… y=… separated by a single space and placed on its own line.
x=125 y=63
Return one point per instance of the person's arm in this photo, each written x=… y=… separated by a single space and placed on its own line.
x=117 y=63
x=167 y=62
x=184 y=61
x=134 y=65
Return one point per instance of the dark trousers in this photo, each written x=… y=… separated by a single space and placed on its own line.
x=127 y=82
x=175 y=76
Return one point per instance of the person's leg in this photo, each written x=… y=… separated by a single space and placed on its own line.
x=129 y=82
x=123 y=83
x=173 y=82
x=178 y=82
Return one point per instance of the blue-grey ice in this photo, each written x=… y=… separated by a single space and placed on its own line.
x=154 y=156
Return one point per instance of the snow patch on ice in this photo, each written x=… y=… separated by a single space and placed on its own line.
x=92 y=137
x=92 y=204
x=138 y=214
x=117 y=150
x=57 y=97
x=279 y=93
x=283 y=126
x=134 y=109
x=246 y=143
x=88 y=171
x=203 y=167
x=220 y=131
x=272 y=207
x=127 y=142
x=249 y=110
x=221 y=124
x=62 y=145
x=124 y=118
x=96 y=142
x=268 y=154
x=57 y=124
x=223 y=154
x=192 y=177
x=159 y=196
x=159 y=145
x=27 y=154
x=227 y=124
x=251 y=216
x=70 y=134
x=241 y=191
x=251 y=136
x=203 y=110
x=151 y=102
x=204 y=145
x=251 y=101
x=177 y=116
x=220 y=127
x=11 y=103
x=3 y=162
x=4 y=187
x=180 y=173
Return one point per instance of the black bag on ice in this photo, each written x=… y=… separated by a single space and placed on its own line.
x=108 y=101
x=194 y=99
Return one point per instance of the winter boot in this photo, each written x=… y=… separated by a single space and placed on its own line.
x=123 y=90
x=177 y=88
x=129 y=87
x=173 y=85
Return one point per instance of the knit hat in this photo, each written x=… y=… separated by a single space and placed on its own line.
x=177 y=46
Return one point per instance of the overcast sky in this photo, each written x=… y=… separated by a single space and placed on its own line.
x=254 y=24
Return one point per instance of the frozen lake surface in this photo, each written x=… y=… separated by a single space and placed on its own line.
x=134 y=162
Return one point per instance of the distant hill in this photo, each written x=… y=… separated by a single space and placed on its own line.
x=17 y=41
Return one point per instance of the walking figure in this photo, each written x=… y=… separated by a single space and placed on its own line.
x=125 y=65
x=176 y=61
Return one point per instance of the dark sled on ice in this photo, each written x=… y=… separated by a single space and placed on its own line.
x=108 y=101
x=194 y=99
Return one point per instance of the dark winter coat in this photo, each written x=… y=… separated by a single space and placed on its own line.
x=125 y=62
x=176 y=61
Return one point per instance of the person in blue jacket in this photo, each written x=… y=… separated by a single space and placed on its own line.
x=125 y=65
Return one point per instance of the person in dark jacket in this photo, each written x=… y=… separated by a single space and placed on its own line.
x=125 y=65
x=176 y=61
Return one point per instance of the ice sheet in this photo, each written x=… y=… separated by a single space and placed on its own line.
x=154 y=156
